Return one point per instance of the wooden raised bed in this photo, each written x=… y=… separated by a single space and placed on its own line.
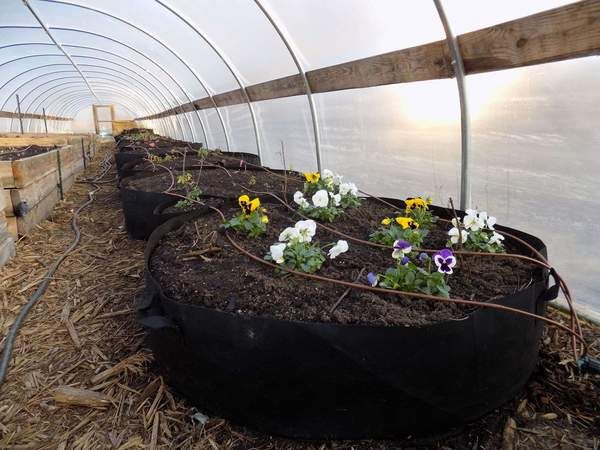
x=32 y=186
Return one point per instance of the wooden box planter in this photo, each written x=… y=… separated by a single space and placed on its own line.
x=32 y=186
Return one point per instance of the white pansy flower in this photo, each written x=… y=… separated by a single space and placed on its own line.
x=348 y=188
x=337 y=198
x=455 y=222
x=327 y=173
x=321 y=198
x=276 y=251
x=337 y=178
x=306 y=230
x=300 y=200
x=288 y=234
x=472 y=221
x=454 y=234
x=496 y=238
x=339 y=248
x=491 y=222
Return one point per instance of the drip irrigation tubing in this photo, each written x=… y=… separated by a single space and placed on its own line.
x=41 y=289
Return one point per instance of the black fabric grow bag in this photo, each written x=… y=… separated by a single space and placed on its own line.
x=322 y=380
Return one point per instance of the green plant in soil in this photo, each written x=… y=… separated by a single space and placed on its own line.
x=156 y=159
x=417 y=208
x=476 y=232
x=410 y=276
x=251 y=220
x=203 y=153
x=296 y=249
x=404 y=228
x=192 y=191
x=329 y=196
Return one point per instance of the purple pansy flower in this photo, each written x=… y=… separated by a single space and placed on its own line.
x=423 y=257
x=404 y=261
x=445 y=261
x=401 y=249
x=372 y=279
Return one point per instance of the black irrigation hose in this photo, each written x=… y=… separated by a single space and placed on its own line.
x=14 y=329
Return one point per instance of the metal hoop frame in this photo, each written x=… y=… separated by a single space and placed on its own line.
x=166 y=47
x=146 y=57
x=232 y=69
x=311 y=104
x=179 y=120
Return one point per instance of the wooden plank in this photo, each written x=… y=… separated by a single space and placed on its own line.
x=7 y=180
x=37 y=213
x=28 y=170
x=11 y=223
x=13 y=115
x=36 y=191
x=6 y=205
x=41 y=141
x=7 y=247
x=566 y=32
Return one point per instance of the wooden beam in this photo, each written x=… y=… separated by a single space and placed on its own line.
x=566 y=32
x=570 y=31
x=12 y=115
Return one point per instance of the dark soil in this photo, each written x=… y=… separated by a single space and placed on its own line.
x=218 y=182
x=14 y=153
x=231 y=281
x=191 y=161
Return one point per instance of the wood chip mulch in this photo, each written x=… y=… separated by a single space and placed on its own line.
x=81 y=378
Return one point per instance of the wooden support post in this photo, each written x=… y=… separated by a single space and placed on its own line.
x=83 y=154
x=60 y=180
x=20 y=116
x=45 y=123
x=95 y=113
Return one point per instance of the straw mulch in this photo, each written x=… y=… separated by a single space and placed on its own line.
x=82 y=334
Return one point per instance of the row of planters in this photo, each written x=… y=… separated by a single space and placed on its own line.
x=298 y=305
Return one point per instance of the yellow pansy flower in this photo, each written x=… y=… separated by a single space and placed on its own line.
x=415 y=202
x=386 y=221
x=248 y=205
x=407 y=222
x=264 y=219
x=312 y=177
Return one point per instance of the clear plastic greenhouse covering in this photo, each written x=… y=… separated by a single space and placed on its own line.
x=534 y=130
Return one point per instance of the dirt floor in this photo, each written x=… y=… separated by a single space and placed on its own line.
x=82 y=334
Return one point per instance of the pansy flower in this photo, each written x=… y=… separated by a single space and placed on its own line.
x=300 y=200
x=386 y=221
x=340 y=247
x=445 y=261
x=247 y=205
x=372 y=279
x=407 y=222
x=348 y=188
x=276 y=251
x=321 y=198
x=416 y=202
x=456 y=235
x=312 y=177
x=496 y=238
x=401 y=249
x=472 y=221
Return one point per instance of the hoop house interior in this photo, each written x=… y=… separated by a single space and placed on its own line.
x=533 y=130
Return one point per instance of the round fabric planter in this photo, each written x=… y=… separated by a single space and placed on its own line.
x=326 y=380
